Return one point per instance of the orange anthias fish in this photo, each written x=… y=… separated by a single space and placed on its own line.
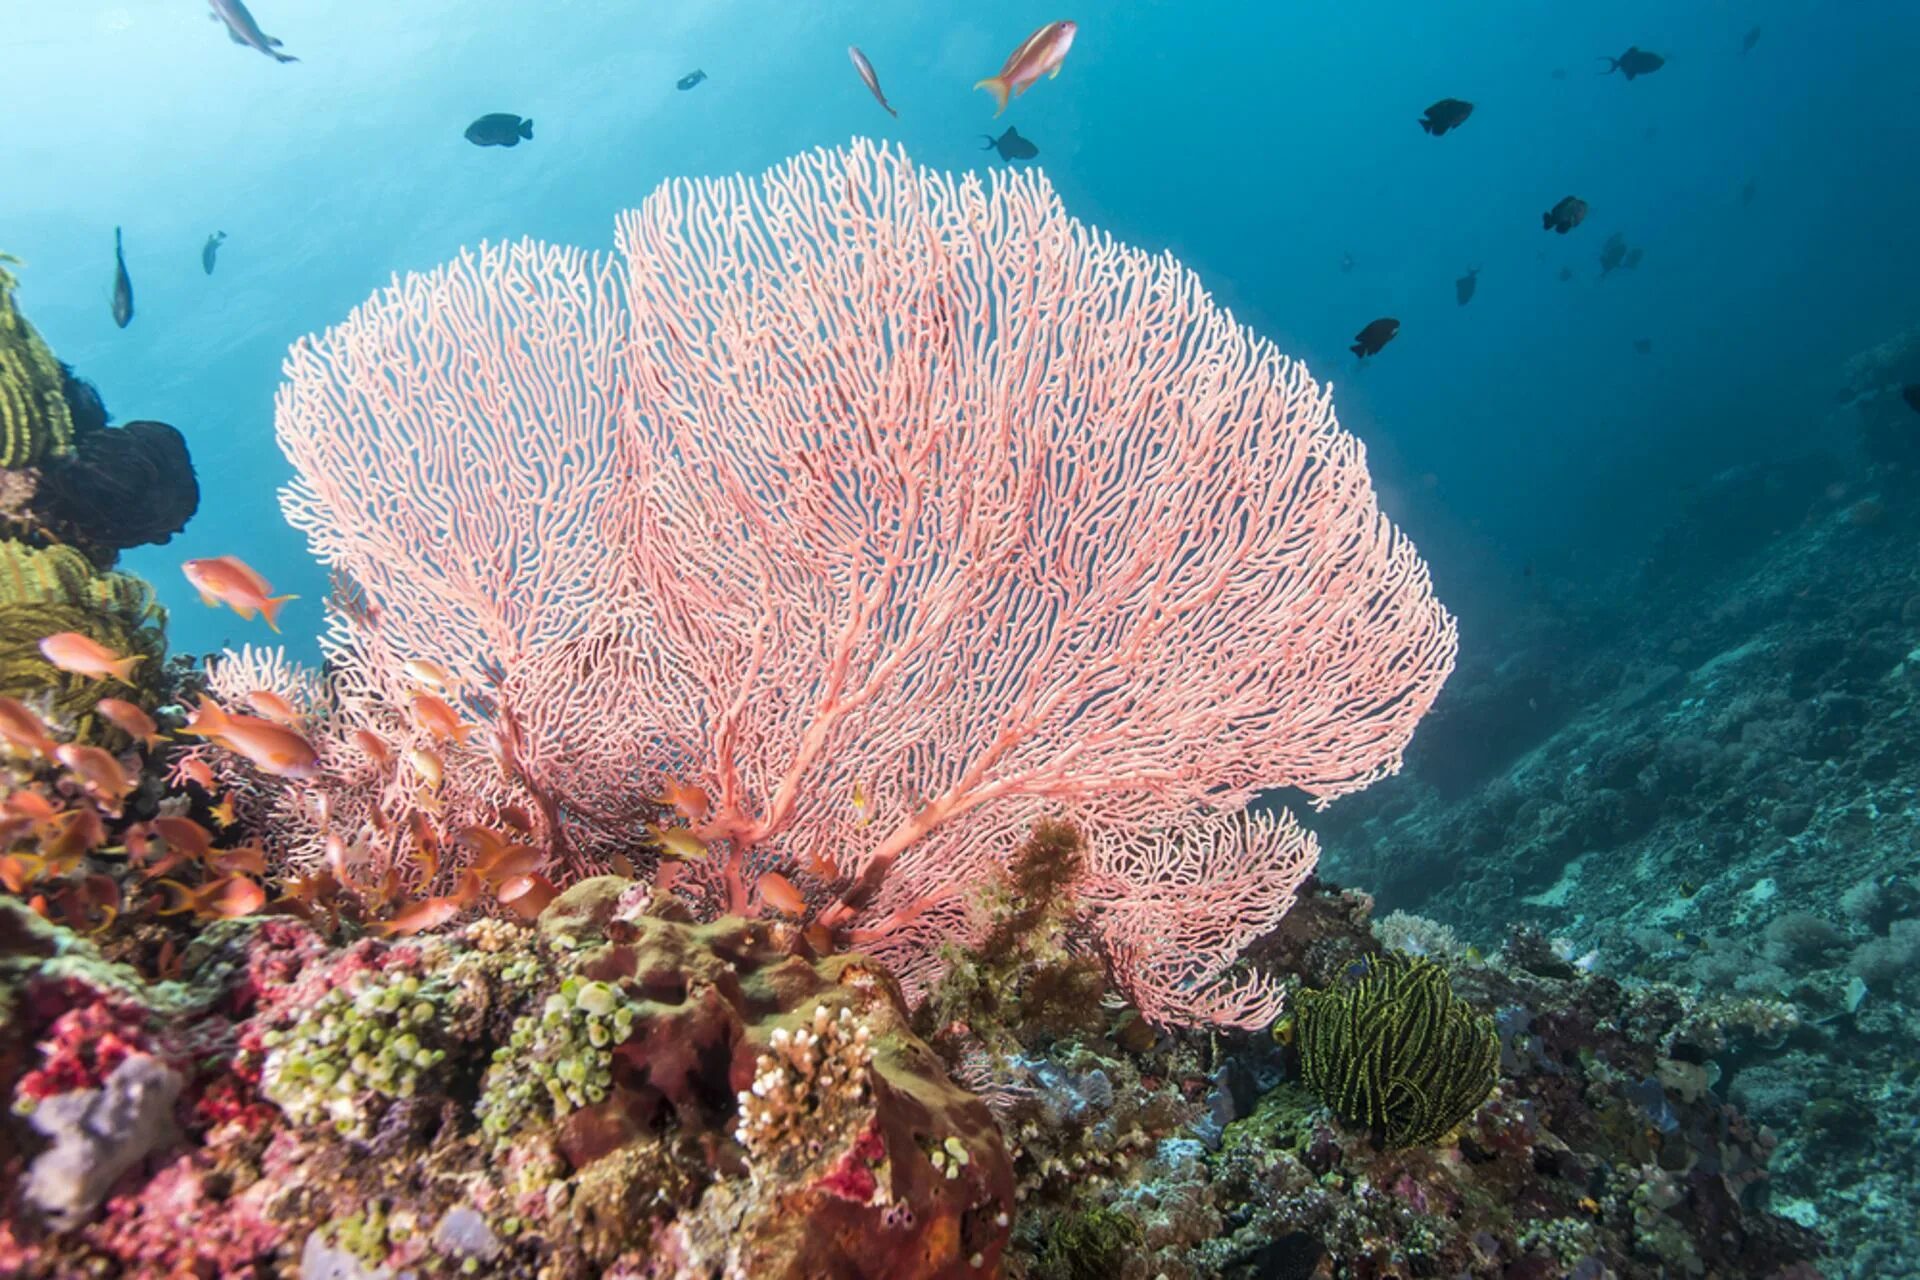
x=198 y=772
x=527 y=896
x=374 y=745
x=84 y=656
x=689 y=801
x=223 y=813
x=431 y=913
x=269 y=747
x=430 y=673
x=1039 y=55
x=98 y=771
x=229 y=580
x=778 y=892
x=436 y=717
x=22 y=729
x=130 y=720
x=274 y=707
x=75 y=833
x=226 y=898
x=428 y=764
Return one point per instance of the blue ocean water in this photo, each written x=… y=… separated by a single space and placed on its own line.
x=1263 y=144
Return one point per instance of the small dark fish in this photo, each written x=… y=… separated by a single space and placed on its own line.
x=499 y=129
x=1448 y=113
x=1612 y=253
x=1346 y=262
x=1748 y=192
x=1566 y=273
x=1011 y=145
x=689 y=80
x=122 y=285
x=1565 y=216
x=1463 y=287
x=1753 y=38
x=1634 y=62
x=1643 y=345
x=868 y=77
x=1911 y=394
x=210 y=248
x=242 y=29
x=1375 y=336
x=1632 y=259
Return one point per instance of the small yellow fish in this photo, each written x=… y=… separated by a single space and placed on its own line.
x=678 y=842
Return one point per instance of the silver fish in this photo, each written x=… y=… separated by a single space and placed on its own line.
x=865 y=69
x=122 y=285
x=242 y=29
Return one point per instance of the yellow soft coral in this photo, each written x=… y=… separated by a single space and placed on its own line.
x=35 y=422
x=46 y=591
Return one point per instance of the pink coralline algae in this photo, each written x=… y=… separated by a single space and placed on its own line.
x=892 y=509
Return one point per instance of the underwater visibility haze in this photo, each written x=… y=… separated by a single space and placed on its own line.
x=754 y=640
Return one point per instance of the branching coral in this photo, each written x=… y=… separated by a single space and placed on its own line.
x=809 y=1088
x=1395 y=1050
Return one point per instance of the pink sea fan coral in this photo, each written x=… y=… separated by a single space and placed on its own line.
x=896 y=510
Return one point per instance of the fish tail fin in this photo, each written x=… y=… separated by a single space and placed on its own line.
x=270 y=610
x=182 y=898
x=1613 y=65
x=1359 y=349
x=998 y=88
x=526 y=130
x=1546 y=221
x=123 y=669
x=285 y=57
x=991 y=142
x=1426 y=124
x=116 y=238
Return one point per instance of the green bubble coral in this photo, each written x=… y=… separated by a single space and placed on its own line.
x=560 y=1057
x=358 y=1049
x=1395 y=1050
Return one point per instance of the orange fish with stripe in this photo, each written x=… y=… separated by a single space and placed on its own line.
x=1040 y=54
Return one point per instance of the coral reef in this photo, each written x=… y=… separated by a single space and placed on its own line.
x=680 y=1100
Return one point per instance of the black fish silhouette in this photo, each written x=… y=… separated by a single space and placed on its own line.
x=689 y=80
x=1448 y=113
x=1565 y=216
x=122 y=285
x=1753 y=38
x=1375 y=336
x=499 y=129
x=210 y=248
x=1911 y=394
x=1463 y=287
x=1011 y=145
x=1634 y=62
